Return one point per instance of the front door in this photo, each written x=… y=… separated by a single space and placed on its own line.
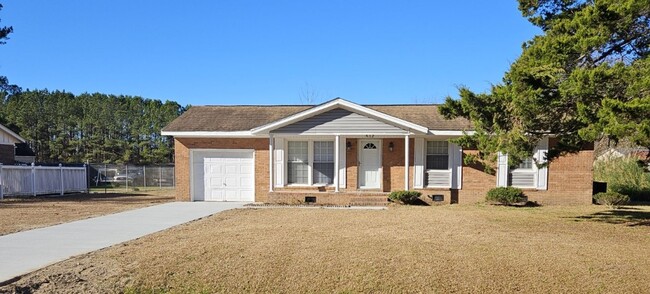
x=369 y=164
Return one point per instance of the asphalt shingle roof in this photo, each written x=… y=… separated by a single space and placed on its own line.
x=244 y=118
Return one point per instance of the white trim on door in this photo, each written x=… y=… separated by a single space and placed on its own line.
x=206 y=153
x=361 y=175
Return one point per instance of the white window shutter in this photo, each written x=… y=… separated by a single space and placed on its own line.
x=342 y=161
x=540 y=157
x=418 y=163
x=502 y=170
x=456 y=164
x=279 y=162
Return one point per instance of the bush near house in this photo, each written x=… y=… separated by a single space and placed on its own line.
x=625 y=175
x=612 y=199
x=505 y=195
x=405 y=197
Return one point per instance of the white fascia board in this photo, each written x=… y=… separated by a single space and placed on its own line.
x=338 y=102
x=450 y=133
x=11 y=133
x=207 y=134
x=348 y=135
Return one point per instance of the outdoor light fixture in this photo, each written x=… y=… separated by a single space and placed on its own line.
x=390 y=146
x=348 y=145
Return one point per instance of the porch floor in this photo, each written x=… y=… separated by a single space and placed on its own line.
x=354 y=198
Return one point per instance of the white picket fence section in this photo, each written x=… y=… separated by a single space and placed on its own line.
x=38 y=180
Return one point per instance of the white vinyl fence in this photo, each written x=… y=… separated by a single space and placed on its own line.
x=39 y=180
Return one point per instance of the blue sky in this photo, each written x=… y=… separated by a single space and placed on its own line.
x=262 y=52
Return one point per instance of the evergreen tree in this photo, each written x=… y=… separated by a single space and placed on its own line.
x=586 y=77
x=6 y=89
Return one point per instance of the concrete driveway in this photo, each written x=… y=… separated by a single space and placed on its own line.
x=24 y=252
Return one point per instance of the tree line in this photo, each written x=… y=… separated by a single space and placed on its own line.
x=99 y=128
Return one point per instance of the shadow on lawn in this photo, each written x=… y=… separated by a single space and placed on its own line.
x=627 y=215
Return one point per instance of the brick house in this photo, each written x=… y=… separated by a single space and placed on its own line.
x=8 y=141
x=340 y=152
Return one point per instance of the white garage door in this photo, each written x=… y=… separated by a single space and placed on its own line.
x=223 y=175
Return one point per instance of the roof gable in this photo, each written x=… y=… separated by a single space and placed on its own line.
x=344 y=104
x=339 y=121
x=7 y=136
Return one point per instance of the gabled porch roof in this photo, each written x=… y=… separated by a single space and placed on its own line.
x=365 y=112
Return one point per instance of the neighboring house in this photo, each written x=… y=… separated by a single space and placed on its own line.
x=24 y=154
x=340 y=152
x=8 y=141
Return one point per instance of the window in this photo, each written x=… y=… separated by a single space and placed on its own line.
x=297 y=162
x=301 y=162
x=323 y=162
x=437 y=155
x=523 y=175
x=526 y=164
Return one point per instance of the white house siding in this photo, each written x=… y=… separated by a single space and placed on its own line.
x=340 y=121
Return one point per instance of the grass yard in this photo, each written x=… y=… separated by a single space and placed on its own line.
x=450 y=248
x=24 y=213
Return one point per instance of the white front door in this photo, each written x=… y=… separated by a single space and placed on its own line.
x=369 y=164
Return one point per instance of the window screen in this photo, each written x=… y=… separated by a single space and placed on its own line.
x=437 y=155
x=297 y=163
x=323 y=162
x=526 y=164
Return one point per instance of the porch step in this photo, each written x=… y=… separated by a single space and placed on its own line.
x=354 y=198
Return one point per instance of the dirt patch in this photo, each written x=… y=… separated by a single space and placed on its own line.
x=24 y=213
x=402 y=249
x=73 y=277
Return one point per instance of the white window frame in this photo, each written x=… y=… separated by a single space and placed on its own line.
x=440 y=173
x=529 y=171
x=310 y=162
x=539 y=174
x=426 y=155
x=524 y=163
x=332 y=162
x=288 y=161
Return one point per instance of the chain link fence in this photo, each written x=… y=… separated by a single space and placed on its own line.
x=130 y=176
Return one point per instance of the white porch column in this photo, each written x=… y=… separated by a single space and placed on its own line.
x=337 y=143
x=270 y=162
x=502 y=170
x=406 y=162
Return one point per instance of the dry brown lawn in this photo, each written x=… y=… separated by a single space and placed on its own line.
x=24 y=213
x=452 y=248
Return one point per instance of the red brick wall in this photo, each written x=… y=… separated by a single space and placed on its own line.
x=182 y=157
x=352 y=171
x=476 y=182
x=393 y=164
x=569 y=181
x=569 y=178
